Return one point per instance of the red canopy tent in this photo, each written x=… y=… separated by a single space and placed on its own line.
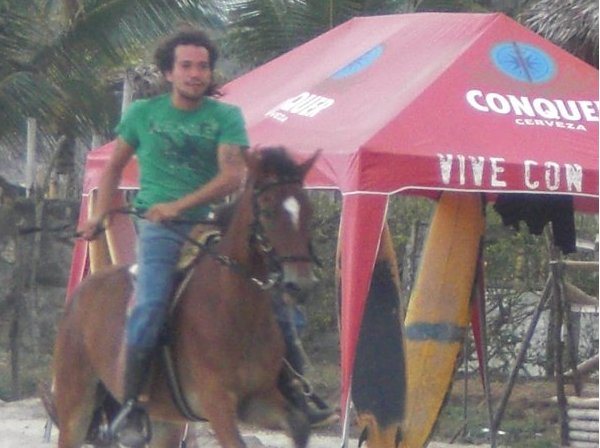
x=419 y=103
x=423 y=103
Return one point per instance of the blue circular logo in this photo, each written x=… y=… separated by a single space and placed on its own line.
x=523 y=62
x=359 y=64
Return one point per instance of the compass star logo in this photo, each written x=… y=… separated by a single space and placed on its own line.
x=359 y=64
x=523 y=62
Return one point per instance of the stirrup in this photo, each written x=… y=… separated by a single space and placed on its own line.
x=138 y=437
x=318 y=413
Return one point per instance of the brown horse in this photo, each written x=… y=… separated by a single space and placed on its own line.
x=227 y=346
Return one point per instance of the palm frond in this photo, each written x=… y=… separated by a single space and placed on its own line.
x=263 y=29
x=58 y=68
x=448 y=6
x=22 y=95
x=570 y=24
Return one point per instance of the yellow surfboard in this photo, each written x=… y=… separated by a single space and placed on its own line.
x=99 y=255
x=116 y=245
x=438 y=312
x=120 y=233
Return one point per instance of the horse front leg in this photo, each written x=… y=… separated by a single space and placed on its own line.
x=270 y=410
x=75 y=393
x=74 y=416
x=221 y=413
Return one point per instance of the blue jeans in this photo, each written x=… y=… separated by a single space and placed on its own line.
x=158 y=250
x=291 y=321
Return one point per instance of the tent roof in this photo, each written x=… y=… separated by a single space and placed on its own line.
x=431 y=101
x=424 y=103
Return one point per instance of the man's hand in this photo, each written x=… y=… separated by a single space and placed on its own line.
x=163 y=212
x=90 y=229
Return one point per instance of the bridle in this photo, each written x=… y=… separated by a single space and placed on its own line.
x=259 y=238
x=258 y=233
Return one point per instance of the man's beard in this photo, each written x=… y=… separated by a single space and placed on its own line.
x=190 y=93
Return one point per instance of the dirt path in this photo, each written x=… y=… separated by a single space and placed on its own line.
x=22 y=425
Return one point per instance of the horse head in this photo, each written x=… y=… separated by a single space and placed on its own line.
x=282 y=215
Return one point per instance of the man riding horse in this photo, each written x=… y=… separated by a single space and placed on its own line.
x=189 y=152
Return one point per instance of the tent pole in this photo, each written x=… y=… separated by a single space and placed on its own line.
x=346 y=422
x=466 y=383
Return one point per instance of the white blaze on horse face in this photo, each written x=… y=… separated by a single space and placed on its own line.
x=292 y=206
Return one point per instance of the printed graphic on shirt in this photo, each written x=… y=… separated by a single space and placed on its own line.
x=182 y=144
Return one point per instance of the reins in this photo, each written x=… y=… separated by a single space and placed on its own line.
x=257 y=235
x=223 y=260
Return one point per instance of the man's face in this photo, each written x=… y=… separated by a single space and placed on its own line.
x=191 y=75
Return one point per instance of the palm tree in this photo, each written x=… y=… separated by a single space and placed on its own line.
x=570 y=24
x=60 y=59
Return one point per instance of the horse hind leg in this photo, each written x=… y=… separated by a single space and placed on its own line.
x=273 y=412
x=76 y=402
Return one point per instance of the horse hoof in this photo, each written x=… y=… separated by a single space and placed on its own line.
x=299 y=428
x=135 y=431
x=134 y=436
x=131 y=438
x=100 y=437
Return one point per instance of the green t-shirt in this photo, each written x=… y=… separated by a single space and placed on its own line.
x=177 y=149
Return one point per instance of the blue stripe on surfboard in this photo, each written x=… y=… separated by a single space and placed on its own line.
x=440 y=332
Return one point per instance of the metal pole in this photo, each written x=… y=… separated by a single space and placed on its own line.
x=346 y=422
x=466 y=383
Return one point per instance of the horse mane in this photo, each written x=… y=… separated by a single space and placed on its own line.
x=275 y=161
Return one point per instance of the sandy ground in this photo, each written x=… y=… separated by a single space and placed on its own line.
x=23 y=424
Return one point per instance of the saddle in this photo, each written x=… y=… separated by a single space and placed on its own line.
x=201 y=236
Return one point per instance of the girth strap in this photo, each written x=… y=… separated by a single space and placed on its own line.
x=174 y=384
x=166 y=353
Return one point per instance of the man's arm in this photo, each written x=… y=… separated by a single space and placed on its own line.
x=109 y=182
x=232 y=170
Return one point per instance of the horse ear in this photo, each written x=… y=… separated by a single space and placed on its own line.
x=307 y=164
